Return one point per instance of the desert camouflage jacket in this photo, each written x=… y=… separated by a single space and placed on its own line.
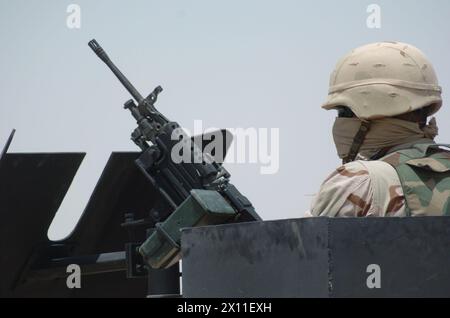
x=377 y=188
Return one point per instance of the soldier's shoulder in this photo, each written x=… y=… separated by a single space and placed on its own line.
x=349 y=170
x=346 y=192
x=379 y=169
x=373 y=171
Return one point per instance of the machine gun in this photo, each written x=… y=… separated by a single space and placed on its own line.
x=194 y=191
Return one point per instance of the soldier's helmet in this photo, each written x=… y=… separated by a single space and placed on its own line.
x=383 y=80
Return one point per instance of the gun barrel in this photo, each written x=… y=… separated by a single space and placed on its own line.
x=93 y=44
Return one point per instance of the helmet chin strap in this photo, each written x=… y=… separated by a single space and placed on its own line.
x=357 y=142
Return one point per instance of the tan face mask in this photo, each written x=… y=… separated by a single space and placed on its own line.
x=386 y=132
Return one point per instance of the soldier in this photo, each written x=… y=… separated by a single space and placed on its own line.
x=384 y=94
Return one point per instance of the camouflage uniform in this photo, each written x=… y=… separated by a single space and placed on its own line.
x=358 y=189
x=424 y=173
x=377 y=188
x=377 y=82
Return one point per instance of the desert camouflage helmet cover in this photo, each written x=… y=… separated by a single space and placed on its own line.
x=384 y=79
